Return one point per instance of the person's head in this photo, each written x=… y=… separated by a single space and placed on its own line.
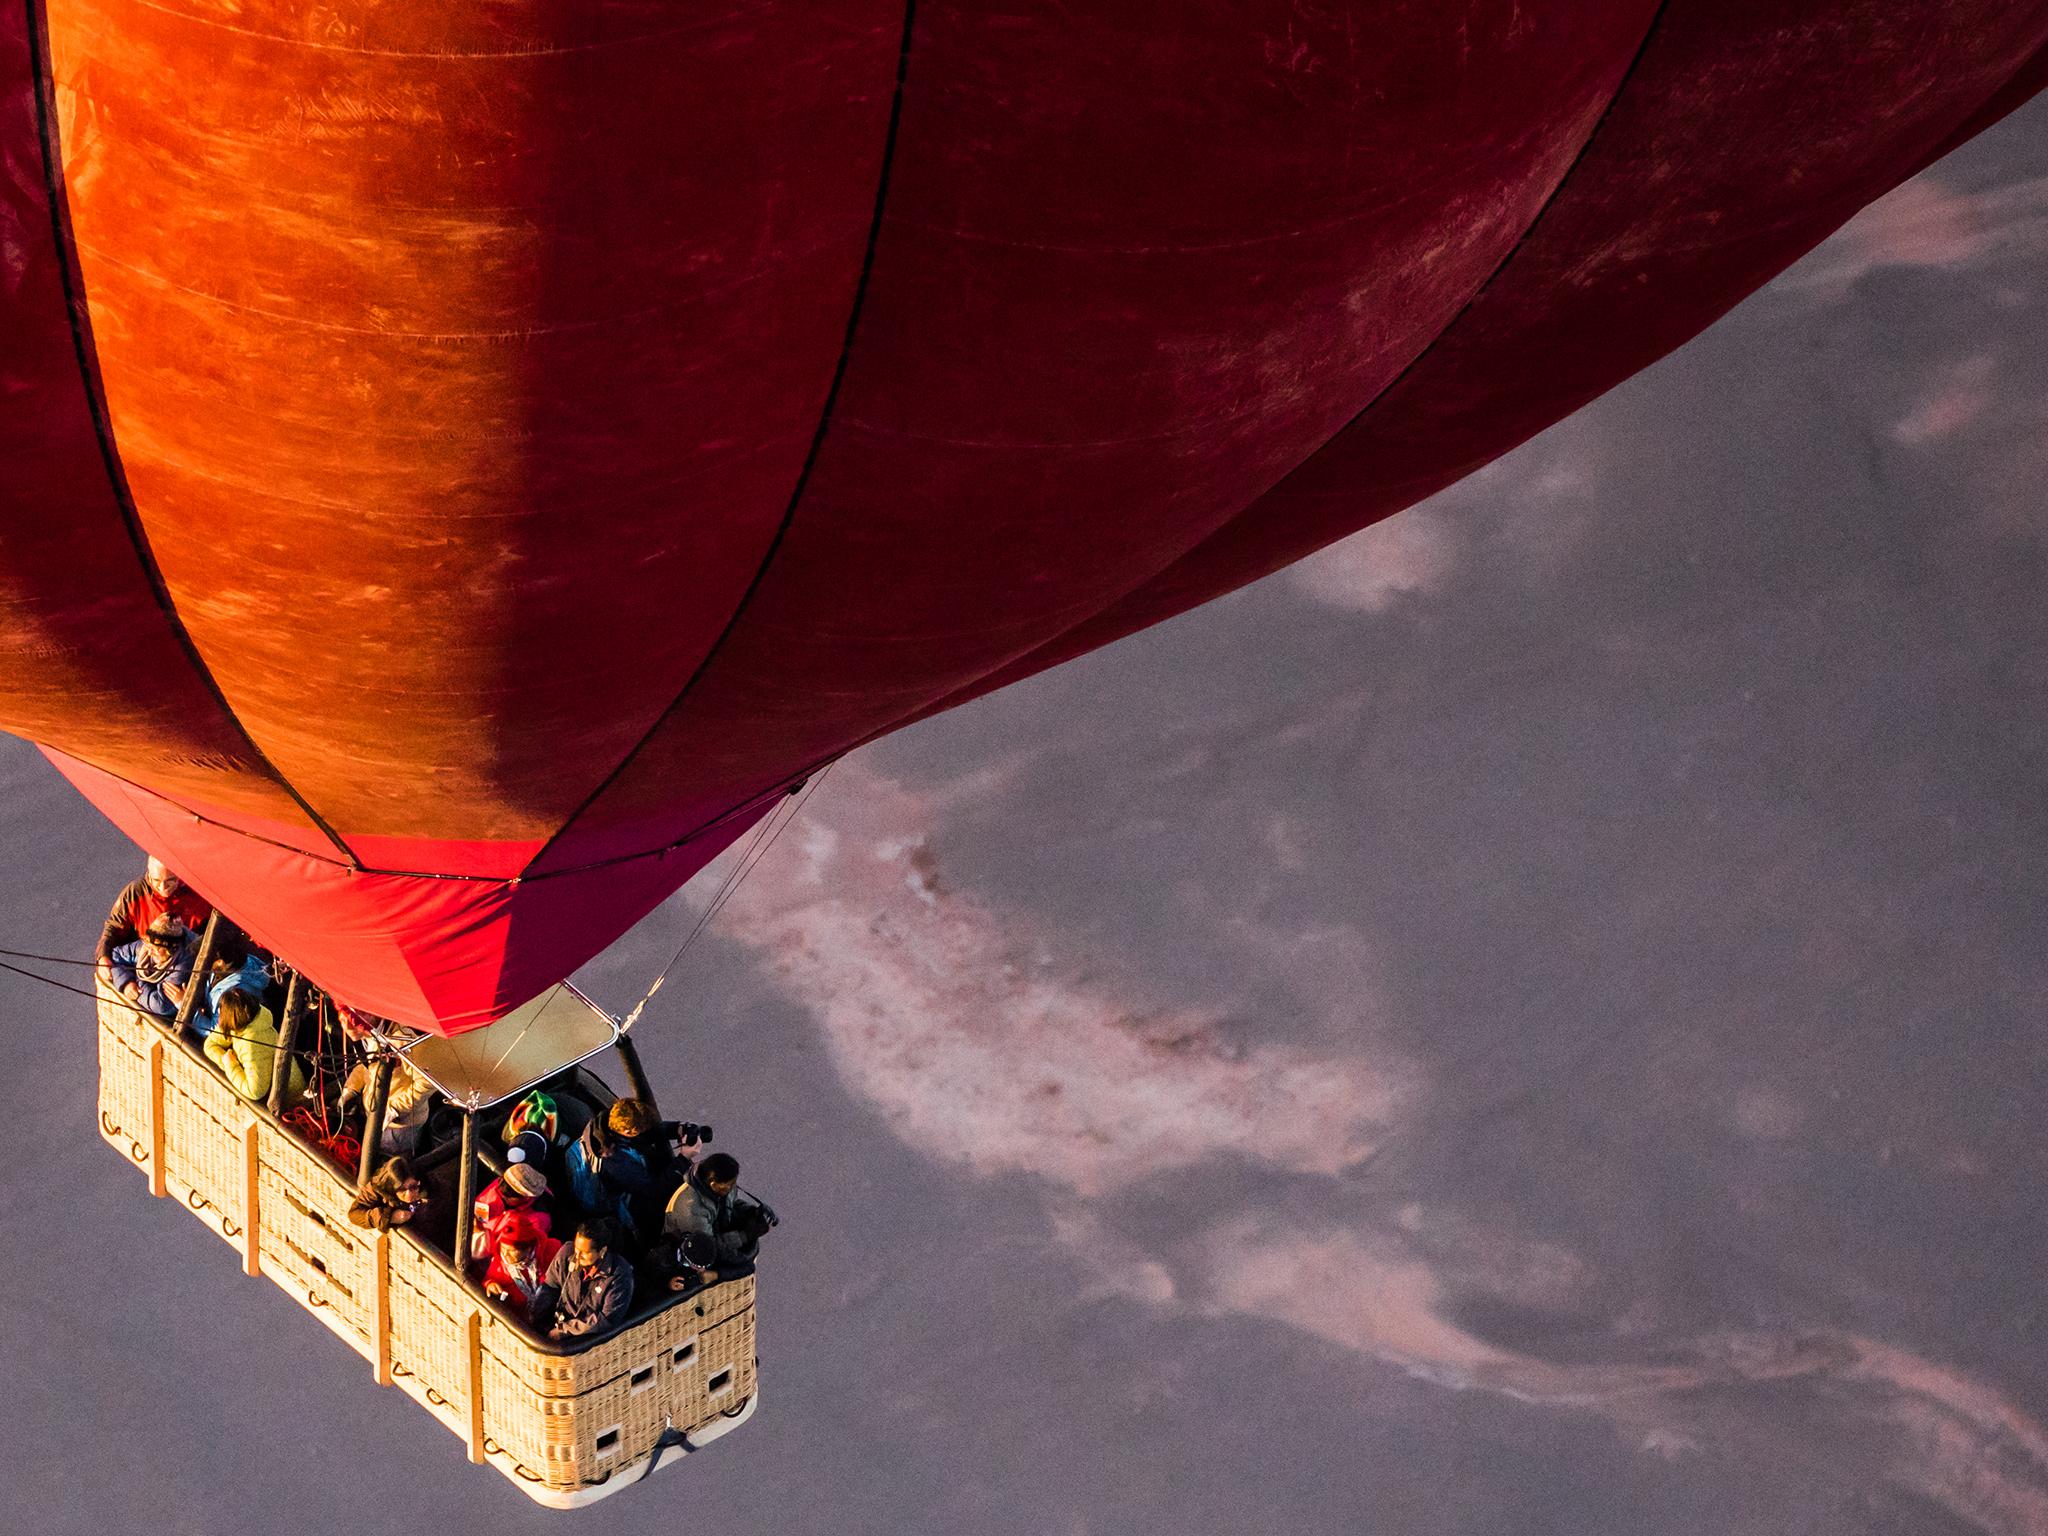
x=719 y=1173
x=528 y=1147
x=158 y=877
x=237 y=1011
x=396 y=1181
x=525 y=1182
x=631 y=1118
x=517 y=1237
x=230 y=952
x=165 y=935
x=593 y=1241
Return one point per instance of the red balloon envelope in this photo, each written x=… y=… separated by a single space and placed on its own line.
x=460 y=464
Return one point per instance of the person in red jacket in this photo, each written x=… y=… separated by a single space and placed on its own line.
x=142 y=902
x=519 y=1266
x=519 y=1193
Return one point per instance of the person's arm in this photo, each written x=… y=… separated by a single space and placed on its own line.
x=179 y=977
x=122 y=964
x=120 y=925
x=699 y=1217
x=368 y=1211
x=618 y=1299
x=625 y=1169
x=481 y=1245
x=150 y=998
x=409 y=1088
x=243 y=1065
x=550 y=1292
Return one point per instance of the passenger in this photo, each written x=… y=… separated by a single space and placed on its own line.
x=588 y=1288
x=405 y=1107
x=678 y=1264
x=394 y=1197
x=740 y=1244
x=154 y=971
x=622 y=1166
x=520 y=1261
x=709 y=1233
x=141 y=902
x=237 y=967
x=703 y=1204
x=245 y=1048
x=516 y=1196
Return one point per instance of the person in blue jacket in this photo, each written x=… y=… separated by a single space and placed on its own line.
x=238 y=966
x=153 y=971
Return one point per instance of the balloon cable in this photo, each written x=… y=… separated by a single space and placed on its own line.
x=102 y=997
x=16 y=954
x=765 y=835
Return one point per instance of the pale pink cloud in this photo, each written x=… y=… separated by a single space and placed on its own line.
x=1766 y=1112
x=1541 y=497
x=1410 y=554
x=998 y=1045
x=1341 y=1288
x=984 y=1041
x=1958 y=1442
x=1956 y=397
x=1921 y=223
x=1924 y=223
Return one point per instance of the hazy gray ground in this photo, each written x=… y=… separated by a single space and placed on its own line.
x=1530 y=1022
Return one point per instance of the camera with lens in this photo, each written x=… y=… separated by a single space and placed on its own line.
x=689 y=1133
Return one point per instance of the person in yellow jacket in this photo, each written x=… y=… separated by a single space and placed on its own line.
x=244 y=1047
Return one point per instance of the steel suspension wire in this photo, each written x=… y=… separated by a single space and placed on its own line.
x=17 y=954
x=725 y=888
x=108 y=997
x=765 y=835
x=64 y=986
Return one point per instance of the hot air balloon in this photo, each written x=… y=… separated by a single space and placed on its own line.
x=465 y=464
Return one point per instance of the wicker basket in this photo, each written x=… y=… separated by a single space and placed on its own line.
x=564 y=1426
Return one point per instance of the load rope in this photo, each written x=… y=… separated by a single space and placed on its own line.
x=772 y=826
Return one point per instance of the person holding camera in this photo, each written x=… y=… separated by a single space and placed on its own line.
x=622 y=1166
x=394 y=1197
x=709 y=1231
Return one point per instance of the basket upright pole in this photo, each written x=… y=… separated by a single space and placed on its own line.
x=465 y=1193
x=636 y=1074
x=374 y=1105
x=287 y=1037
x=196 y=983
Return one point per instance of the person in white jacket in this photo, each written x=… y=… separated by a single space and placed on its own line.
x=405 y=1111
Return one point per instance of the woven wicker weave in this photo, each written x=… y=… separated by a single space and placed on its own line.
x=560 y=1425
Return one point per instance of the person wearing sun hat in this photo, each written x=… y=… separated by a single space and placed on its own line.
x=521 y=1191
x=153 y=971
